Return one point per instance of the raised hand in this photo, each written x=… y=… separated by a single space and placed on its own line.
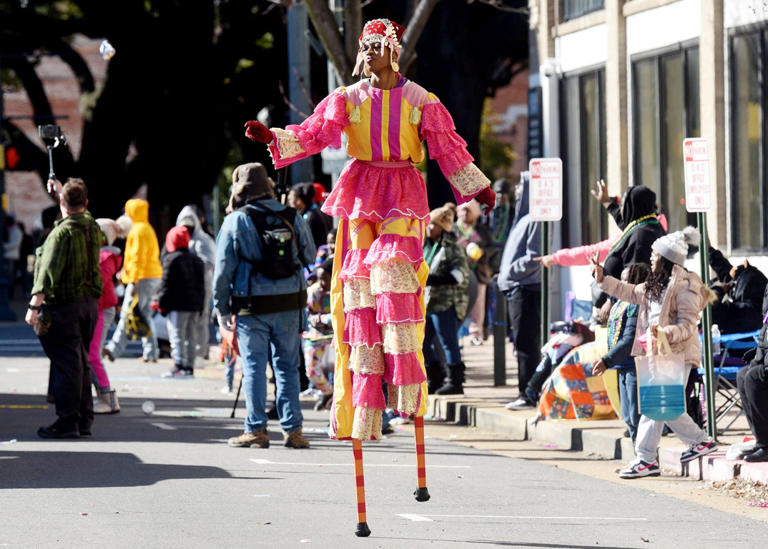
x=597 y=269
x=600 y=192
x=488 y=198
x=256 y=131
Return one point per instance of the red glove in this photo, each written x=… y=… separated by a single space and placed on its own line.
x=256 y=131
x=487 y=197
x=154 y=306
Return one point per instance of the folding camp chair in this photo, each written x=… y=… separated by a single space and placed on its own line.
x=726 y=368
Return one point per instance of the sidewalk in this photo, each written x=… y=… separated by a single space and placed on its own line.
x=482 y=406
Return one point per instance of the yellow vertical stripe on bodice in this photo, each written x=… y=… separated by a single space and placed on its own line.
x=385 y=125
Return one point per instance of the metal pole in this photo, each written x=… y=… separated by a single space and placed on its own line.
x=706 y=328
x=544 y=284
x=299 y=82
x=5 y=311
x=500 y=338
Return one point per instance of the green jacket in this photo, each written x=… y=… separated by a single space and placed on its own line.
x=447 y=264
x=67 y=263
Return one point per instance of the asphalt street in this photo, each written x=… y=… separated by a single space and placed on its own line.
x=169 y=480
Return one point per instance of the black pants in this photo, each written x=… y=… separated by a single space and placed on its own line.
x=524 y=308
x=752 y=382
x=66 y=344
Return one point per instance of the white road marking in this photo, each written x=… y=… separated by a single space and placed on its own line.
x=268 y=462
x=425 y=518
x=164 y=426
x=261 y=495
x=415 y=518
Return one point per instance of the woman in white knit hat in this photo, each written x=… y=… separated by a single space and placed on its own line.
x=670 y=302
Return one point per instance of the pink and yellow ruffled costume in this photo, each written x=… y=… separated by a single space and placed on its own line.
x=379 y=270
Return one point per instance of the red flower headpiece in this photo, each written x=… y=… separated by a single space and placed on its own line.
x=385 y=31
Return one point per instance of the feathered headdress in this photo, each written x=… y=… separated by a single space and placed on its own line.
x=388 y=33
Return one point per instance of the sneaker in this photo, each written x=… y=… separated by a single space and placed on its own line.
x=295 y=440
x=178 y=372
x=476 y=341
x=246 y=440
x=521 y=403
x=323 y=402
x=640 y=469
x=698 y=450
x=226 y=390
x=147 y=360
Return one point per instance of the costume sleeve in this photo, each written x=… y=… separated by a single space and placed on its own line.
x=450 y=151
x=321 y=130
x=581 y=255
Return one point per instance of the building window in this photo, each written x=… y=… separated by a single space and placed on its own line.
x=571 y=9
x=749 y=221
x=583 y=136
x=666 y=111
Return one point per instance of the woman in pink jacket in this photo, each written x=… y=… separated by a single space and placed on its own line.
x=670 y=302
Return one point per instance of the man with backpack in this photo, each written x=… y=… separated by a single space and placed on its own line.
x=259 y=291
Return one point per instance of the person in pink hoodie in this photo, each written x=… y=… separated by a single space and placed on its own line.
x=110 y=262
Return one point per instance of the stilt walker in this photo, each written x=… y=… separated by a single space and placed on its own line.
x=379 y=272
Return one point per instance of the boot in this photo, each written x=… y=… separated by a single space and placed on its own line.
x=454 y=380
x=435 y=376
x=106 y=403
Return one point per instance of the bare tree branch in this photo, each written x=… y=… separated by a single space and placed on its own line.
x=413 y=31
x=328 y=30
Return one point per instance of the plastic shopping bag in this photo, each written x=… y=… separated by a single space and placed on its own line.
x=661 y=382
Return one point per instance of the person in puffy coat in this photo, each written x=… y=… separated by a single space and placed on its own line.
x=110 y=262
x=181 y=298
x=669 y=301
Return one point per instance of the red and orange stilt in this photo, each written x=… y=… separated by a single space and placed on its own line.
x=362 y=529
x=421 y=493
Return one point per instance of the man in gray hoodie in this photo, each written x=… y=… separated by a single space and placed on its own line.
x=520 y=280
x=203 y=246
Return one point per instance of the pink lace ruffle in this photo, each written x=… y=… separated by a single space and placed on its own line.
x=394 y=246
x=360 y=328
x=367 y=391
x=392 y=308
x=354 y=265
x=322 y=129
x=375 y=193
x=403 y=369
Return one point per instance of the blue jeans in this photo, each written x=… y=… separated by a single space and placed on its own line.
x=281 y=332
x=628 y=394
x=147 y=289
x=446 y=326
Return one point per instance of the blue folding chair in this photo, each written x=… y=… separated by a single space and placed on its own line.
x=726 y=368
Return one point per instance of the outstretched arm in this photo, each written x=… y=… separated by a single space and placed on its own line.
x=450 y=151
x=321 y=130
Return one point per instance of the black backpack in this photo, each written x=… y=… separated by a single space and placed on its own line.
x=276 y=240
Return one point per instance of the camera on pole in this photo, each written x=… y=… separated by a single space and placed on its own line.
x=52 y=136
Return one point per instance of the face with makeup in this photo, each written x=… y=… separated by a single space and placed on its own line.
x=376 y=57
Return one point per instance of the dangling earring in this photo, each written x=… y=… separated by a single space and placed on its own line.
x=395 y=66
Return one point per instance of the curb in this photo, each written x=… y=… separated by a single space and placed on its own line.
x=603 y=438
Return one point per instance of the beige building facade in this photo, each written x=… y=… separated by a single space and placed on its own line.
x=623 y=82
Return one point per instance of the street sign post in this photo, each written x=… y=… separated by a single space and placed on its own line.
x=545 y=205
x=698 y=199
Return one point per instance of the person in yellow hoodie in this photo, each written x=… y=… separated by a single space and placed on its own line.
x=141 y=274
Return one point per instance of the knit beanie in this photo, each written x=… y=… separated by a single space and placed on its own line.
x=109 y=228
x=443 y=217
x=250 y=182
x=124 y=224
x=177 y=237
x=675 y=246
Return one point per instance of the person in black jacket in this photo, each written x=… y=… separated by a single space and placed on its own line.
x=636 y=217
x=752 y=382
x=302 y=197
x=181 y=297
x=744 y=286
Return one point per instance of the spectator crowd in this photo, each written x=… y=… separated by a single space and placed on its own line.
x=265 y=282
